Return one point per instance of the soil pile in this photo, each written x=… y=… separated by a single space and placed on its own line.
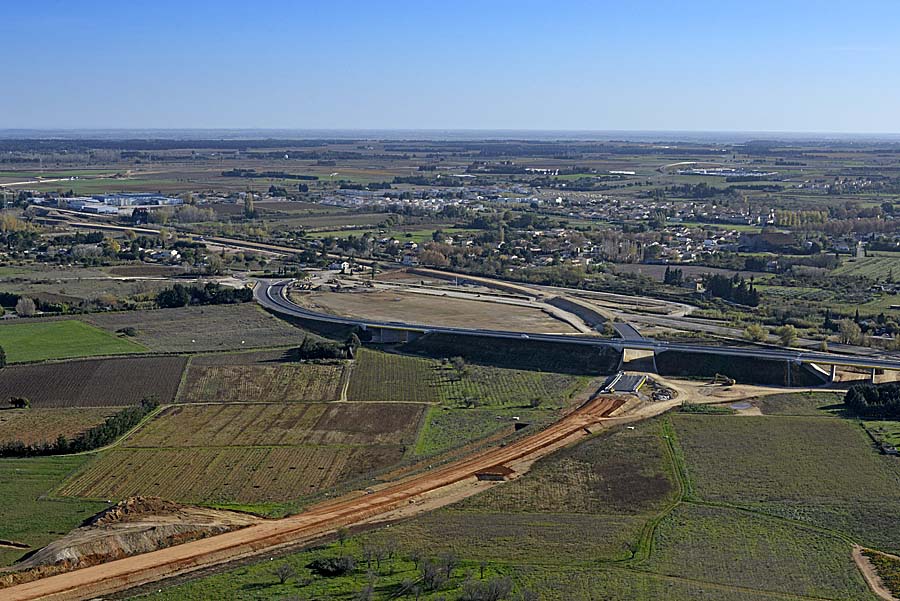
x=133 y=526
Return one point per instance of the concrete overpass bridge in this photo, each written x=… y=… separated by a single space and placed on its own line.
x=273 y=295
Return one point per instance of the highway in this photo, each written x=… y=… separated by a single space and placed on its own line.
x=273 y=295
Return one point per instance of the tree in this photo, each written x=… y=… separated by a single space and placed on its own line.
x=342 y=534
x=449 y=561
x=25 y=307
x=249 y=209
x=756 y=332
x=415 y=556
x=459 y=366
x=2 y=357
x=787 y=335
x=283 y=572
x=849 y=332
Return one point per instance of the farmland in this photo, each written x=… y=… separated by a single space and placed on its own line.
x=280 y=424
x=199 y=329
x=734 y=548
x=30 y=516
x=33 y=426
x=255 y=453
x=801 y=403
x=259 y=377
x=446 y=429
x=574 y=527
x=227 y=475
x=389 y=377
x=620 y=472
x=40 y=340
x=94 y=382
x=885 y=431
x=823 y=472
x=875 y=267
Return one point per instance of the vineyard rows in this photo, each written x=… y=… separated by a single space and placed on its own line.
x=34 y=426
x=275 y=382
x=94 y=382
x=387 y=377
x=267 y=424
x=231 y=474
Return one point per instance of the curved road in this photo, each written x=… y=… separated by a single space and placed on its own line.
x=273 y=295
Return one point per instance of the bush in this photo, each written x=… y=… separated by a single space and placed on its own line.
x=333 y=566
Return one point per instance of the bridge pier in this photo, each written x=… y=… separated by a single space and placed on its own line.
x=872 y=376
x=832 y=377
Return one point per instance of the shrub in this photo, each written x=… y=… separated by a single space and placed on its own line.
x=333 y=566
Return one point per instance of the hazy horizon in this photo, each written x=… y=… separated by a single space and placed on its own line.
x=421 y=134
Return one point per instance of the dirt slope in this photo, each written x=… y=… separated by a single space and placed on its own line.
x=134 y=526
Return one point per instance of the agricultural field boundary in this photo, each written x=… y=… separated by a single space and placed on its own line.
x=126 y=573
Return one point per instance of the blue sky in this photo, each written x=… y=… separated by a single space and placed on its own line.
x=495 y=64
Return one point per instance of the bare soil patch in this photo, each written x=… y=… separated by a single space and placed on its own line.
x=433 y=310
x=93 y=382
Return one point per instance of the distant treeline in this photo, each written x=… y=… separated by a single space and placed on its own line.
x=874 y=400
x=212 y=293
x=98 y=436
x=369 y=186
x=253 y=173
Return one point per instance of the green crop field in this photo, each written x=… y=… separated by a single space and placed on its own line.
x=821 y=404
x=824 y=472
x=388 y=377
x=740 y=549
x=885 y=431
x=29 y=515
x=36 y=341
x=878 y=267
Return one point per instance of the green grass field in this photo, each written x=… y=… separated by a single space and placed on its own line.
x=37 y=341
x=821 y=404
x=28 y=515
x=822 y=472
x=740 y=549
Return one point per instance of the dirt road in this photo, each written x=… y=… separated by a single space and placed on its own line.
x=872 y=578
x=321 y=519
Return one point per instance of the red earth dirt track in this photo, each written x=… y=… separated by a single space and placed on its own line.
x=318 y=520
